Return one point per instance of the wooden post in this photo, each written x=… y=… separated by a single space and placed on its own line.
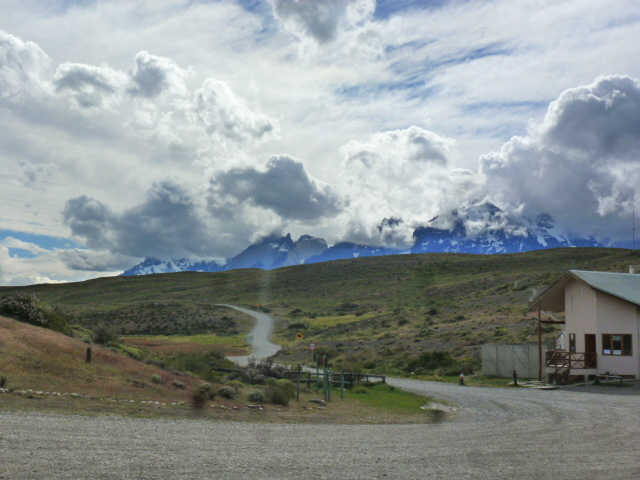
x=515 y=378
x=342 y=385
x=299 y=370
x=88 y=357
x=324 y=379
x=539 y=344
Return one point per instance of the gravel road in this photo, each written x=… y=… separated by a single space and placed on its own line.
x=580 y=433
x=259 y=338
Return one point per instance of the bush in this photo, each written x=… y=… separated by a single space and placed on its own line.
x=104 y=336
x=207 y=390
x=26 y=307
x=227 y=392
x=258 y=372
x=236 y=385
x=157 y=379
x=178 y=384
x=298 y=326
x=281 y=391
x=430 y=361
x=198 y=363
x=256 y=396
x=3 y=381
x=360 y=389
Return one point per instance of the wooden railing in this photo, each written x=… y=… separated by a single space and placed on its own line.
x=559 y=359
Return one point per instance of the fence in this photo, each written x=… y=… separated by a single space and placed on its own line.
x=502 y=360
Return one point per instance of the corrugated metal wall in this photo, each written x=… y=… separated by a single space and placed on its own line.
x=501 y=360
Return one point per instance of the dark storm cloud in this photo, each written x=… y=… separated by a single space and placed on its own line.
x=94 y=260
x=284 y=186
x=601 y=120
x=166 y=224
x=581 y=164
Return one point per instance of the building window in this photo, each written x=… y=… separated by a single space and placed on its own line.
x=613 y=344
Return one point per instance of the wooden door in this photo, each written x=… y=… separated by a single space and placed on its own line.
x=590 y=349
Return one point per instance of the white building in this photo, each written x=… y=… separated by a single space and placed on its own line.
x=602 y=324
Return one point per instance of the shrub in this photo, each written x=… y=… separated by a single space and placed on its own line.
x=207 y=390
x=3 y=381
x=257 y=372
x=25 y=307
x=227 y=392
x=157 y=379
x=198 y=363
x=298 y=326
x=256 y=396
x=104 y=336
x=178 y=384
x=430 y=361
x=201 y=394
x=360 y=389
x=236 y=385
x=281 y=391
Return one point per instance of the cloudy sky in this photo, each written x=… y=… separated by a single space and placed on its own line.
x=163 y=128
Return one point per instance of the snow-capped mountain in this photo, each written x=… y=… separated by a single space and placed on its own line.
x=269 y=253
x=273 y=252
x=484 y=228
x=345 y=250
x=153 y=265
x=480 y=228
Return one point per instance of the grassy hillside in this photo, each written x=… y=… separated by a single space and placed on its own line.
x=43 y=360
x=45 y=370
x=377 y=312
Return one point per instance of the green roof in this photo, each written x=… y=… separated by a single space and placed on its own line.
x=622 y=285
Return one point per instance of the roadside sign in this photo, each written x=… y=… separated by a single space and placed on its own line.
x=300 y=336
x=312 y=346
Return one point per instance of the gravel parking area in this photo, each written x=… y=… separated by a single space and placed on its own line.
x=579 y=433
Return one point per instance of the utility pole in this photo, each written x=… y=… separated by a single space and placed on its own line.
x=633 y=215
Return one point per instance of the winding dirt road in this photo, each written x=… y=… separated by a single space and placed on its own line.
x=259 y=338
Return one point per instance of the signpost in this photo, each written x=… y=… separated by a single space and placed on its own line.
x=312 y=347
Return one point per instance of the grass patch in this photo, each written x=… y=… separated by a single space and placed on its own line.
x=387 y=397
x=163 y=344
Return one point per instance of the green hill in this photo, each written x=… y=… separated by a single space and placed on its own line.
x=376 y=311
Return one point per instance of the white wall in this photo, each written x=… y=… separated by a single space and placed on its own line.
x=580 y=305
x=591 y=312
x=616 y=316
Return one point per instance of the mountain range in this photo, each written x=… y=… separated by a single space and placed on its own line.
x=480 y=228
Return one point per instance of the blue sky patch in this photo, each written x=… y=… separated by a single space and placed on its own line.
x=44 y=241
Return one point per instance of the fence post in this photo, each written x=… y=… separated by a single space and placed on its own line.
x=342 y=385
x=88 y=357
x=299 y=370
x=324 y=379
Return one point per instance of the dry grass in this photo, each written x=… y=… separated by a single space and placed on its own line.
x=41 y=360
x=162 y=345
